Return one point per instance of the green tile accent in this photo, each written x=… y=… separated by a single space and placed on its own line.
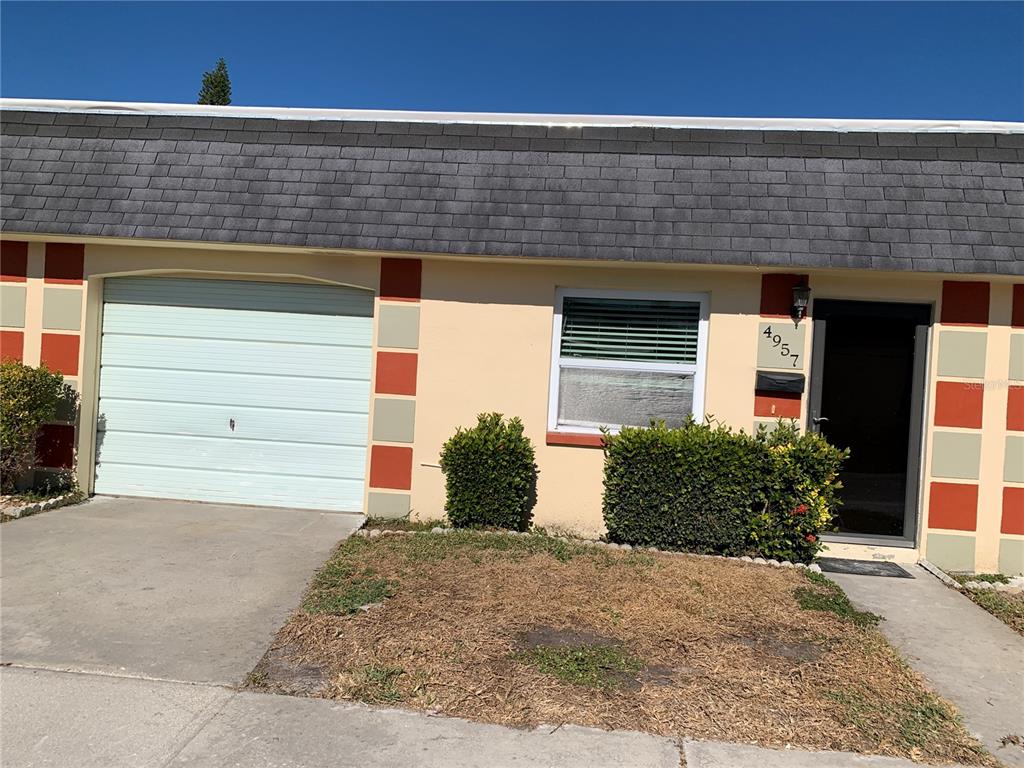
x=962 y=354
x=956 y=454
x=62 y=308
x=389 y=505
x=394 y=421
x=1013 y=459
x=770 y=424
x=398 y=326
x=12 y=306
x=1017 y=357
x=951 y=553
x=1011 y=556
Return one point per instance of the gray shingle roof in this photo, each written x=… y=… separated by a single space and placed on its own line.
x=937 y=202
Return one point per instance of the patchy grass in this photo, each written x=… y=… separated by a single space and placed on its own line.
x=826 y=595
x=523 y=630
x=987 y=578
x=1008 y=607
x=401 y=524
x=595 y=666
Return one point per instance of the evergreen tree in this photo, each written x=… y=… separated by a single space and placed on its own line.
x=216 y=86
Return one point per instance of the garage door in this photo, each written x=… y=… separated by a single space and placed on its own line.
x=234 y=392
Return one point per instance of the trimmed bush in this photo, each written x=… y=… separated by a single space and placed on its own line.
x=490 y=475
x=703 y=488
x=29 y=398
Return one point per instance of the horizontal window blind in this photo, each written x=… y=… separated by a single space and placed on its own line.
x=639 y=330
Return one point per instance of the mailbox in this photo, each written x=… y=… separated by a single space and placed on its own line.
x=778 y=381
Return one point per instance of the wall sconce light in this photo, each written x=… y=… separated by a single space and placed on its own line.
x=801 y=298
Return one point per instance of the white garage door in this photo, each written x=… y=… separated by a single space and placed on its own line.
x=235 y=392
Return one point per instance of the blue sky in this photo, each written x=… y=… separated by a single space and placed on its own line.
x=886 y=60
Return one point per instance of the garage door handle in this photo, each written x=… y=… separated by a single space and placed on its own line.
x=231 y=423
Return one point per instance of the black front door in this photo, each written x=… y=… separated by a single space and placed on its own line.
x=868 y=372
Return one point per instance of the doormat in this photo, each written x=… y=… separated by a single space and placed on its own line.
x=863 y=567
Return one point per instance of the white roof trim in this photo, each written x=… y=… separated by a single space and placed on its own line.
x=502 y=118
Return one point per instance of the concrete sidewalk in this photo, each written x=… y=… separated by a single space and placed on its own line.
x=63 y=719
x=970 y=657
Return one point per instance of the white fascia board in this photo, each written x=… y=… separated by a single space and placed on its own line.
x=840 y=125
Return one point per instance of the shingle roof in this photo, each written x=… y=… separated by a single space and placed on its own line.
x=925 y=201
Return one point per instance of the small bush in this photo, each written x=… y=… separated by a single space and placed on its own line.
x=490 y=475
x=29 y=398
x=703 y=488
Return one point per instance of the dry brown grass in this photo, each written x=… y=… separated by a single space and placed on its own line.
x=726 y=652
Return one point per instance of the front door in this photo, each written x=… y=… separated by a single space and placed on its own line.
x=868 y=372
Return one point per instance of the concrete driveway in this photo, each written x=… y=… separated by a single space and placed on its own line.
x=158 y=589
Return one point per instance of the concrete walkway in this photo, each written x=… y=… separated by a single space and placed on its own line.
x=970 y=657
x=58 y=719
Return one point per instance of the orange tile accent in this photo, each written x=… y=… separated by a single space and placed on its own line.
x=777 y=293
x=964 y=302
x=1017 y=316
x=55 y=446
x=777 y=405
x=958 y=404
x=401 y=279
x=1013 y=511
x=13 y=261
x=1015 y=408
x=391 y=467
x=60 y=353
x=65 y=263
x=396 y=373
x=12 y=345
x=953 y=506
x=577 y=439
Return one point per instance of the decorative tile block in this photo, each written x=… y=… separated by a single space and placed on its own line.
x=394 y=421
x=398 y=326
x=388 y=505
x=958 y=404
x=391 y=467
x=1017 y=357
x=777 y=293
x=962 y=354
x=956 y=455
x=1013 y=511
x=12 y=345
x=1013 y=459
x=965 y=302
x=1011 y=556
x=781 y=345
x=65 y=263
x=396 y=373
x=401 y=279
x=950 y=552
x=777 y=405
x=12 y=305
x=1015 y=408
x=953 y=506
x=60 y=353
x=62 y=309
x=13 y=261
x=1017 y=314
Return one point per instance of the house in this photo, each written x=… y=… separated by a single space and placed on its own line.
x=297 y=307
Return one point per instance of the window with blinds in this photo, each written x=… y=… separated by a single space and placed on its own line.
x=626 y=361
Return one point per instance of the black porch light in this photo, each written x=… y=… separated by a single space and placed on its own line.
x=801 y=298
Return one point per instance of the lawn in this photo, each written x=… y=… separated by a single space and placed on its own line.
x=525 y=630
x=1008 y=607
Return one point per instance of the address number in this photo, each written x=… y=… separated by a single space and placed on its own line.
x=782 y=347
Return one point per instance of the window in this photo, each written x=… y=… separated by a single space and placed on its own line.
x=623 y=359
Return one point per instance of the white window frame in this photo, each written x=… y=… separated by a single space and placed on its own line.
x=698 y=370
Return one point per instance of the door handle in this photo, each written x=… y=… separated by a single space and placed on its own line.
x=819 y=420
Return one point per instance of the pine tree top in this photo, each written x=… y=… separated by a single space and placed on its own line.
x=216 y=86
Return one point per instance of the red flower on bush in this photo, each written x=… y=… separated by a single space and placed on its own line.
x=811 y=538
x=800 y=509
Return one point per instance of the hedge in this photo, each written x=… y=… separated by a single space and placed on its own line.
x=703 y=488
x=490 y=475
x=29 y=398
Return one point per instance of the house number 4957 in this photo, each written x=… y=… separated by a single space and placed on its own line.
x=782 y=348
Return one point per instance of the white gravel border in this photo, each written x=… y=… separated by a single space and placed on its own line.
x=376 y=533
x=42 y=506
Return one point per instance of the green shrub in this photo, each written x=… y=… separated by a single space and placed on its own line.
x=29 y=398
x=703 y=488
x=490 y=475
